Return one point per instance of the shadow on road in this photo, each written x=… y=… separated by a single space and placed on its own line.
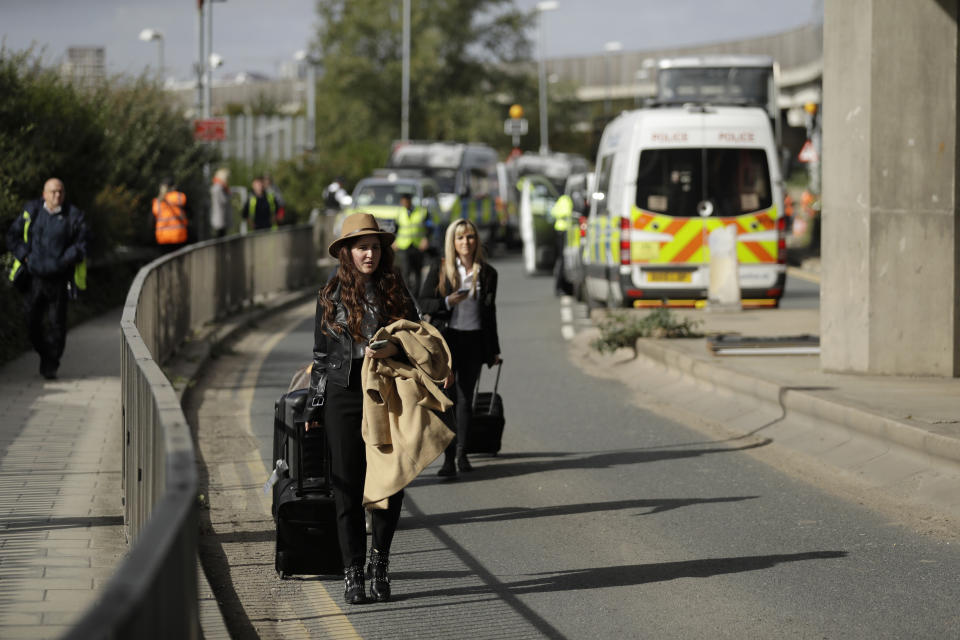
x=508 y=466
x=49 y=524
x=629 y=575
x=518 y=513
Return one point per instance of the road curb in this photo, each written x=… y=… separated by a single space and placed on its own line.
x=801 y=401
x=183 y=369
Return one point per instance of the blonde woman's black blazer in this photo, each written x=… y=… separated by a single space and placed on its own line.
x=432 y=304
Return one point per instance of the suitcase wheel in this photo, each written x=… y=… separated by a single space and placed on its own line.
x=282 y=575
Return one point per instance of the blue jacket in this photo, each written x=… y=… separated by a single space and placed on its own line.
x=51 y=245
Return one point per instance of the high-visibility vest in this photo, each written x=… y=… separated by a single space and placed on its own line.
x=480 y=212
x=171 y=219
x=79 y=271
x=17 y=265
x=486 y=211
x=252 y=207
x=562 y=213
x=411 y=228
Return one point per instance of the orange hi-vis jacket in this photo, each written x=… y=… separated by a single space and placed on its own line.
x=171 y=218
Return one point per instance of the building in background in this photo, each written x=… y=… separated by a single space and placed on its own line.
x=85 y=66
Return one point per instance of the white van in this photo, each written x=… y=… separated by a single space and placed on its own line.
x=666 y=178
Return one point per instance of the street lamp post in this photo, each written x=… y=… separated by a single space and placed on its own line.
x=153 y=34
x=544 y=5
x=208 y=80
x=405 y=76
x=304 y=57
x=608 y=48
x=200 y=63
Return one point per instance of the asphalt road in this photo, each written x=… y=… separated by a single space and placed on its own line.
x=800 y=292
x=601 y=519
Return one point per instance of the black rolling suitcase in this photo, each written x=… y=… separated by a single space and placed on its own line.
x=303 y=506
x=486 y=424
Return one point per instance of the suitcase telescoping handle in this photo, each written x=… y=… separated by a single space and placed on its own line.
x=476 y=388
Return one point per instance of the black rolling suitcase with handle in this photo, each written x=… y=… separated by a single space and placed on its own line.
x=303 y=506
x=486 y=424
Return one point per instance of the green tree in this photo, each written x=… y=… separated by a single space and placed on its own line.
x=466 y=61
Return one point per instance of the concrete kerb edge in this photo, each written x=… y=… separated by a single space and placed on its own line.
x=809 y=406
x=187 y=364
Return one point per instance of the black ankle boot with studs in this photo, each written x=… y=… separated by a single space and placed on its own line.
x=448 y=469
x=379 y=576
x=462 y=461
x=353 y=591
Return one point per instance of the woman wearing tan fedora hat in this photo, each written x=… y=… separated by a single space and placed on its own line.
x=365 y=293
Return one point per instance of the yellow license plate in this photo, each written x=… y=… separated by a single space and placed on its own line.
x=669 y=276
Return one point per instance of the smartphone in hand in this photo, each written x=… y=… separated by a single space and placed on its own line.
x=378 y=344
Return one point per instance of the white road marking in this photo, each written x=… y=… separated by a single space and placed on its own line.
x=566 y=318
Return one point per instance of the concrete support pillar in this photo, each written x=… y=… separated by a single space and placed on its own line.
x=890 y=297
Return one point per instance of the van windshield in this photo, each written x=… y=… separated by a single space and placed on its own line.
x=722 y=85
x=382 y=194
x=674 y=181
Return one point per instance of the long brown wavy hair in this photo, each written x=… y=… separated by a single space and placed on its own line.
x=387 y=285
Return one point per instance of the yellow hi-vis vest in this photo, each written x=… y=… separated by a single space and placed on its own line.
x=411 y=228
x=79 y=271
x=562 y=213
x=486 y=210
x=480 y=212
x=252 y=207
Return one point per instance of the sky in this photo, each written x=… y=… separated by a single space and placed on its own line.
x=262 y=35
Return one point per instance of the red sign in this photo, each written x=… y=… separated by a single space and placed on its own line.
x=210 y=130
x=808 y=153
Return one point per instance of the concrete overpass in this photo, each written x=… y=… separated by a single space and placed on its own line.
x=621 y=75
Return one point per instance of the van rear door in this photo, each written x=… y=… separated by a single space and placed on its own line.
x=685 y=193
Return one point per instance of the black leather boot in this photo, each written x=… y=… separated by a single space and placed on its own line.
x=379 y=576
x=353 y=591
x=448 y=469
x=462 y=460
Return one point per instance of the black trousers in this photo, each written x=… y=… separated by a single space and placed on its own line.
x=466 y=348
x=45 y=310
x=410 y=262
x=559 y=281
x=343 y=412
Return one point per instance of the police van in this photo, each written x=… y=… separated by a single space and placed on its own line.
x=666 y=178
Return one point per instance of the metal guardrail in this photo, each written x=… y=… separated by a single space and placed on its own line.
x=153 y=593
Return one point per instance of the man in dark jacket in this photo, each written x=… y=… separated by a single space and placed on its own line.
x=49 y=241
x=260 y=210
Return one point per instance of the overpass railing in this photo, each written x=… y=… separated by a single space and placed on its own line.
x=153 y=593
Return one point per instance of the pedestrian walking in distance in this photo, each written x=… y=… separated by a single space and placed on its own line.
x=363 y=297
x=459 y=294
x=413 y=229
x=170 y=216
x=221 y=209
x=49 y=245
x=260 y=210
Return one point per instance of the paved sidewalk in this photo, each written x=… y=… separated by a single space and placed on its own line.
x=61 y=521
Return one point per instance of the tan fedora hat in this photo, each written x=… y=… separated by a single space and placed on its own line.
x=355 y=226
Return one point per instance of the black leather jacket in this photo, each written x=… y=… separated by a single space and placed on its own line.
x=333 y=352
